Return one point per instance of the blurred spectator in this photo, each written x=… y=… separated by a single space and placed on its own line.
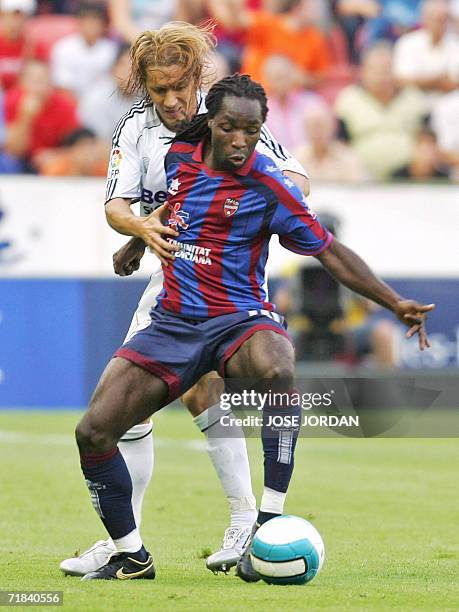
x=355 y=330
x=454 y=12
x=395 y=18
x=292 y=34
x=371 y=335
x=429 y=57
x=130 y=17
x=78 y=61
x=8 y=164
x=217 y=68
x=81 y=154
x=367 y=21
x=445 y=123
x=351 y=15
x=321 y=14
x=101 y=107
x=54 y=7
x=37 y=116
x=231 y=42
x=325 y=157
x=379 y=119
x=43 y=32
x=426 y=160
x=14 y=49
x=287 y=101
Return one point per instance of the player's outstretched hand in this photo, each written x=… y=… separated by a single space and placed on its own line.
x=126 y=260
x=414 y=315
x=153 y=230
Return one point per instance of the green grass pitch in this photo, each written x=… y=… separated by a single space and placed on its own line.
x=387 y=510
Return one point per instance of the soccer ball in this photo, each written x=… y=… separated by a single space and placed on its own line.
x=287 y=550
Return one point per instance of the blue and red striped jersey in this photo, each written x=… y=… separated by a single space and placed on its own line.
x=225 y=221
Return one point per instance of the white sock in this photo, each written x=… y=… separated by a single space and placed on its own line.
x=136 y=446
x=272 y=501
x=132 y=542
x=230 y=460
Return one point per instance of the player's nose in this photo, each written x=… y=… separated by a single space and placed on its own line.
x=239 y=141
x=170 y=99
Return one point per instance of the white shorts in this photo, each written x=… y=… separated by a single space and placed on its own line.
x=141 y=318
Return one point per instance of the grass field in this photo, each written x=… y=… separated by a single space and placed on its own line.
x=387 y=510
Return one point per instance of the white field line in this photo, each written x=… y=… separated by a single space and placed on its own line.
x=19 y=437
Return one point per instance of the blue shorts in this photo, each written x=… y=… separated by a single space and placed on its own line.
x=180 y=350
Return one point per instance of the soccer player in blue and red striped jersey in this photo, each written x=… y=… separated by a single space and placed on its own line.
x=225 y=201
x=225 y=220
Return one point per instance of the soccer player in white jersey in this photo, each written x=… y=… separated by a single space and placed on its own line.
x=167 y=72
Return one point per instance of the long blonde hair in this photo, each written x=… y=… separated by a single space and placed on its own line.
x=176 y=43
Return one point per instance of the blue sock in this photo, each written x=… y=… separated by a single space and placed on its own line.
x=279 y=443
x=110 y=487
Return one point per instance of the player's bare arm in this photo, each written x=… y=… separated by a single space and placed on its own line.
x=350 y=269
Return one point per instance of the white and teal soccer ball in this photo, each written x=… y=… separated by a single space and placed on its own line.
x=287 y=550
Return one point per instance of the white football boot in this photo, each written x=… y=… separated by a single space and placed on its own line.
x=90 y=560
x=234 y=543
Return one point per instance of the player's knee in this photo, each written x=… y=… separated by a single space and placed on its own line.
x=203 y=394
x=280 y=373
x=91 y=438
x=196 y=399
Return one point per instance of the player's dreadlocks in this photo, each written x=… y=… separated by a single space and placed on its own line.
x=238 y=85
x=176 y=43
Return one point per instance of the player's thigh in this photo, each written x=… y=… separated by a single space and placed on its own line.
x=206 y=392
x=265 y=355
x=125 y=395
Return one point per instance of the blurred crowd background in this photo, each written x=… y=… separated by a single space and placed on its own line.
x=365 y=93
x=359 y=90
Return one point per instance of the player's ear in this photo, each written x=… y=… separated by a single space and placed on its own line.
x=210 y=123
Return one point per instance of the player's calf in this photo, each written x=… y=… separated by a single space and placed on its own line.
x=123 y=398
x=136 y=446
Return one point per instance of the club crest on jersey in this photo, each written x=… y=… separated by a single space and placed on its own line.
x=177 y=218
x=230 y=207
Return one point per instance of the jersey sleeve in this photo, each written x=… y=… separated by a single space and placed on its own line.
x=299 y=228
x=284 y=160
x=125 y=166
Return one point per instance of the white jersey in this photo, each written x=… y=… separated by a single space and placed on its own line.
x=136 y=171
